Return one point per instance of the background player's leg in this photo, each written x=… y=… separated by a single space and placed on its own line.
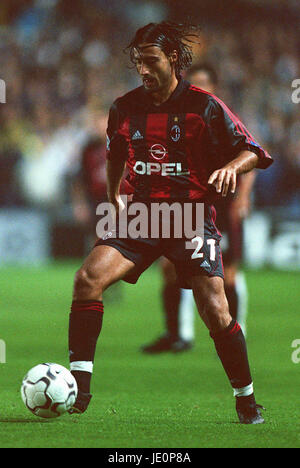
x=236 y=293
x=187 y=316
x=228 y=338
x=242 y=293
x=171 y=296
x=178 y=309
x=103 y=267
x=230 y=270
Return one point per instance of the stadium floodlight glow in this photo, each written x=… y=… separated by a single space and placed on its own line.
x=2 y=92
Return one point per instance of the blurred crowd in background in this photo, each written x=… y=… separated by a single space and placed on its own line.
x=63 y=65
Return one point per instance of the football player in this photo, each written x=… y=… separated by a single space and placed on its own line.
x=179 y=143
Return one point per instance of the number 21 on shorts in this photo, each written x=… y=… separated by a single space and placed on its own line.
x=197 y=252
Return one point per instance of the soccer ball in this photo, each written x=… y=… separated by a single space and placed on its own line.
x=49 y=390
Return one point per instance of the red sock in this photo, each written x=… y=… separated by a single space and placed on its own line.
x=232 y=351
x=84 y=329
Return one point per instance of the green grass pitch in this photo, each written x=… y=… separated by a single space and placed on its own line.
x=166 y=401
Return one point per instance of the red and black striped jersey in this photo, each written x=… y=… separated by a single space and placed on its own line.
x=172 y=149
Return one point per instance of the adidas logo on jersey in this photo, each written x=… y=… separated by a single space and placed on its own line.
x=205 y=264
x=137 y=136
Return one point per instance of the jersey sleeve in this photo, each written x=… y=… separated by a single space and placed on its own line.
x=116 y=147
x=229 y=135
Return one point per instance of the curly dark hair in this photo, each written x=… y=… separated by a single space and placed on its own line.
x=168 y=36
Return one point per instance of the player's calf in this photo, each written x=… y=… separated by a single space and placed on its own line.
x=230 y=345
x=85 y=325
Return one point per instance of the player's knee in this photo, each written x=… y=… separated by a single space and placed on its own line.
x=218 y=312
x=86 y=285
x=215 y=305
x=82 y=282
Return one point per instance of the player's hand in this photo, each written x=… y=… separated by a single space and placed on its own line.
x=224 y=180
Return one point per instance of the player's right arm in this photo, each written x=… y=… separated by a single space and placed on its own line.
x=116 y=157
x=115 y=171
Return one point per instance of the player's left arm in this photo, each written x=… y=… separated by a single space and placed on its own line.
x=225 y=179
x=234 y=146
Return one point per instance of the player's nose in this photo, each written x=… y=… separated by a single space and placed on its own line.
x=143 y=70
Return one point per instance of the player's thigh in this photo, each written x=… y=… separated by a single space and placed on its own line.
x=104 y=266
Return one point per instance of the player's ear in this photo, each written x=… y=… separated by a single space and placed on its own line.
x=173 y=57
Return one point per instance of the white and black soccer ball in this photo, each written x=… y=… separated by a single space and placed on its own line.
x=49 y=390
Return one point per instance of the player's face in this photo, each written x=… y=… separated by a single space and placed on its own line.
x=202 y=80
x=154 y=67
